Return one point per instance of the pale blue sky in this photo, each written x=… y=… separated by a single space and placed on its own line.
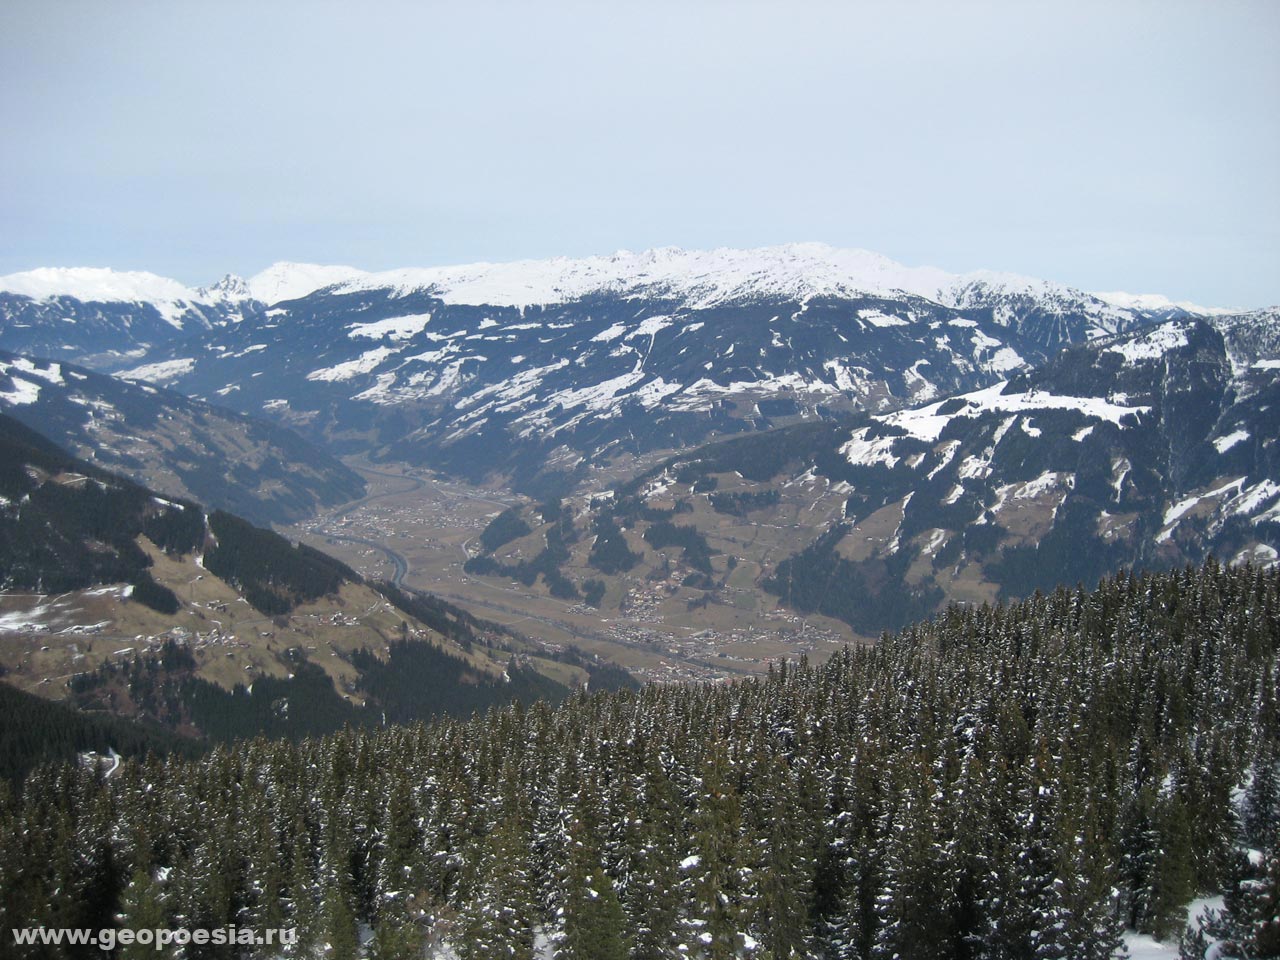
x=1120 y=145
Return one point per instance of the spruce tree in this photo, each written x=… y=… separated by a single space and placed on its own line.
x=716 y=916
x=142 y=907
x=497 y=913
x=595 y=924
x=652 y=891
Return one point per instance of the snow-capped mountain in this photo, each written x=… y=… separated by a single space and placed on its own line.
x=98 y=285
x=697 y=279
x=701 y=278
x=1161 y=307
x=106 y=318
x=230 y=288
x=292 y=281
x=538 y=366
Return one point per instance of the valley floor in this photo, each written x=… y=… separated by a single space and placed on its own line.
x=422 y=528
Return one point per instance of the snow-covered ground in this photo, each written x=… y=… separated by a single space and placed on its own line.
x=1143 y=947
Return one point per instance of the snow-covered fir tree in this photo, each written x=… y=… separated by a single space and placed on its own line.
x=1001 y=782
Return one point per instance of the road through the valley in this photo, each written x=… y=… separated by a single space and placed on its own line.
x=401 y=568
x=399 y=563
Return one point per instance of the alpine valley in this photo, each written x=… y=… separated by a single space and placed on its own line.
x=688 y=462
x=326 y=597
x=130 y=603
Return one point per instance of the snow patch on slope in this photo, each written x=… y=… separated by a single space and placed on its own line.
x=160 y=372
x=878 y=318
x=392 y=328
x=52 y=373
x=1223 y=444
x=1152 y=345
x=610 y=334
x=21 y=393
x=860 y=451
x=926 y=423
x=599 y=396
x=365 y=363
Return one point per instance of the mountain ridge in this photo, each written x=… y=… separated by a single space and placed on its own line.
x=539 y=372
x=722 y=274
x=170 y=442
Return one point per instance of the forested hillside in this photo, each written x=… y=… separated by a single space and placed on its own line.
x=65 y=524
x=318 y=648
x=1002 y=782
x=37 y=730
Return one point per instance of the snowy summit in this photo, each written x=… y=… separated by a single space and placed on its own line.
x=697 y=278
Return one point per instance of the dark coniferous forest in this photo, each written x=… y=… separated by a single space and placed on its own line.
x=1017 y=781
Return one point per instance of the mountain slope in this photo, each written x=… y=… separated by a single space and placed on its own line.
x=540 y=370
x=185 y=448
x=1151 y=449
x=1154 y=449
x=144 y=606
x=66 y=525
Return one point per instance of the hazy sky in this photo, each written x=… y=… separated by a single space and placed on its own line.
x=1118 y=145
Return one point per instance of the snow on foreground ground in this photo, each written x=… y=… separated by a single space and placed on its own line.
x=1138 y=946
x=1142 y=947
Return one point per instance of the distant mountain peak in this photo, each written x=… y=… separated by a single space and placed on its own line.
x=230 y=287
x=100 y=284
x=105 y=285
x=1160 y=304
x=285 y=280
